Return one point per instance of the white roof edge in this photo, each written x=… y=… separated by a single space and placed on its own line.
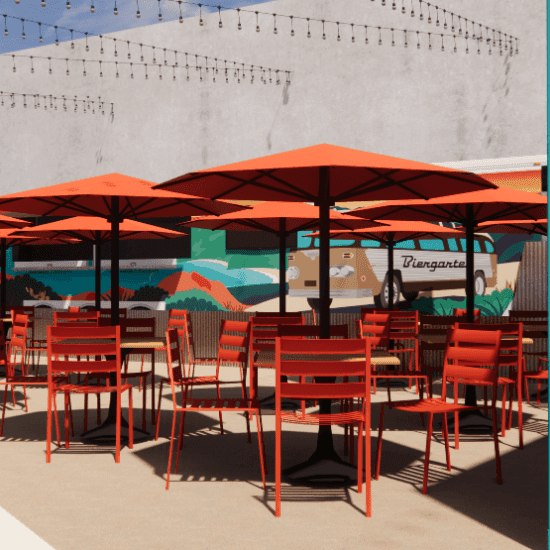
x=508 y=164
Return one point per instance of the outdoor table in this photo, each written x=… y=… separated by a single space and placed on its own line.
x=127 y=345
x=325 y=449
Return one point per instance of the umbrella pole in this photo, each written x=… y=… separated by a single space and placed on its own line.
x=390 y=270
x=470 y=288
x=115 y=256
x=97 y=271
x=282 y=266
x=3 y=248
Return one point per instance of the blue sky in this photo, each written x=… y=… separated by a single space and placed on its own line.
x=79 y=17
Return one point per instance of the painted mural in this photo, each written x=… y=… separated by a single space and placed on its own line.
x=216 y=279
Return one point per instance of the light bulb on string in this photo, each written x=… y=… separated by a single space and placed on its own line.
x=291 y=25
x=270 y=81
x=174 y=72
x=455 y=48
x=141 y=47
x=421 y=17
x=275 y=23
x=338 y=37
x=160 y=14
x=278 y=79
x=505 y=41
x=45 y=104
x=200 y=72
x=50 y=65
x=40 y=39
x=352 y=34
x=176 y=58
x=459 y=26
x=442 y=44
x=452 y=22
x=226 y=77
x=393 y=5
x=403 y=10
x=478 y=47
x=324 y=35
x=165 y=62
x=257 y=23
x=308 y=31
x=67 y=61
x=32 y=67
x=412 y=9
x=196 y=62
x=466 y=29
x=101 y=39
x=25 y=101
x=23 y=26
x=437 y=17
x=216 y=68
x=429 y=14
x=467 y=49
x=116 y=65
x=75 y=104
x=220 y=24
x=100 y=70
x=406 y=43
x=43 y=4
x=160 y=71
x=206 y=64
x=84 y=67
x=56 y=38
x=181 y=15
x=187 y=74
x=252 y=74
x=115 y=10
x=383 y=2
x=429 y=41
x=417 y=40
x=131 y=70
x=68 y=6
x=445 y=19
x=5 y=25
x=72 y=43
x=392 y=38
x=154 y=57
x=265 y=80
x=146 y=75
x=138 y=13
x=201 y=22
x=129 y=54
x=92 y=8
x=239 y=26
x=379 y=36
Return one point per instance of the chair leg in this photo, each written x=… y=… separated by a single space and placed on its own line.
x=263 y=442
x=158 y=412
x=368 y=474
x=118 y=416
x=510 y=404
x=503 y=412
x=427 y=456
x=497 y=453
x=66 y=420
x=486 y=407
x=379 y=446
x=538 y=394
x=153 y=419
x=171 y=450
x=520 y=415
x=220 y=412
x=526 y=388
x=360 y=458
x=278 y=428
x=455 y=391
x=4 y=409
x=445 y=433
x=180 y=439
x=143 y=414
x=260 y=443
x=130 y=420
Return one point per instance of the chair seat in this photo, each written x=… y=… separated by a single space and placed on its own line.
x=543 y=375
x=501 y=381
x=397 y=374
x=238 y=404
x=29 y=380
x=433 y=405
x=75 y=388
x=350 y=417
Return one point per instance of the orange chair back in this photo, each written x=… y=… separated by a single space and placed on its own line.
x=18 y=341
x=60 y=348
x=463 y=312
x=74 y=309
x=376 y=326
x=242 y=340
x=467 y=356
x=310 y=331
x=173 y=361
x=341 y=366
x=177 y=320
x=75 y=319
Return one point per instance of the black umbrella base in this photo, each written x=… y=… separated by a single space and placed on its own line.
x=286 y=404
x=322 y=469
x=471 y=422
x=106 y=433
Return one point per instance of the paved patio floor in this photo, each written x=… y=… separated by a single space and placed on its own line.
x=84 y=501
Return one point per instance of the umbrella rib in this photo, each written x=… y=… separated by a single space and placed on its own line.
x=368 y=184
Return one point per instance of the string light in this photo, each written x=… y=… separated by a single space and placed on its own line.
x=101 y=38
x=160 y=14
x=87 y=47
x=92 y=9
x=83 y=67
x=274 y=23
x=5 y=25
x=366 y=34
x=338 y=38
x=68 y=6
x=181 y=16
x=392 y=38
x=23 y=26
x=67 y=61
x=201 y=22
x=379 y=36
x=239 y=26
x=220 y=24
x=56 y=38
x=115 y=10
x=352 y=34
x=308 y=31
x=138 y=14
x=36 y=100
x=257 y=24
x=32 y=66
x=291 y=25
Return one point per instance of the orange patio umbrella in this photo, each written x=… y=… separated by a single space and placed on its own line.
x=98 y=231
x=469 y=209
x=325 y=174
x=281 y=219
x=391 y=234
x=115 y=197
x=539 y=227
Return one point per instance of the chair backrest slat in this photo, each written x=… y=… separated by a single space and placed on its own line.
x=241 y=341
x=173 y=362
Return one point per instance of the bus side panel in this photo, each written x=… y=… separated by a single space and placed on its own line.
x=367 y=277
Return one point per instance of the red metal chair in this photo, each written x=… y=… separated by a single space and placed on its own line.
x=511 y=358
x=177 y=379
x=286 y=365
x=74 y=309
x=177 y=319
x=60 y=346
x=465 y=348
x=34 y=345
x=226 y=357
x=463 y=312
x=262 y=339
x=538 y=375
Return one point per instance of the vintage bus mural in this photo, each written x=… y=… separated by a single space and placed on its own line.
x=239 y=270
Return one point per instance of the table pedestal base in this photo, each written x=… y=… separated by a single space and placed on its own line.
x=471 y=422
x=106 y=433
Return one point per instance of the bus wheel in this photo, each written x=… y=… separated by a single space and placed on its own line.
x=385 y=291
x=315 y=303
x=410 y=296
x=479 y=283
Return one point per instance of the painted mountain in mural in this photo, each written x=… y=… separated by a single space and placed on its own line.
x=183 y=282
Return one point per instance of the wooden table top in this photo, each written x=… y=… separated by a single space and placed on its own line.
x=125 y=343
x=437 y=339
x=377 y=358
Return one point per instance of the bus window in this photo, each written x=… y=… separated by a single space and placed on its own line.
x=370 y=244
x=303 y=242
x=408 y=245
x=477 y=248
x=431 y=244
x=489 y=247
x=453 y=247
x=337 y=242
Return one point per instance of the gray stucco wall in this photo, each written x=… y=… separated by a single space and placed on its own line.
x=429 y=106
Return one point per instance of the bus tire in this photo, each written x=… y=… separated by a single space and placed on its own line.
x=384 y=302
x=315 y=303
x=480 y=285
x=410 y=296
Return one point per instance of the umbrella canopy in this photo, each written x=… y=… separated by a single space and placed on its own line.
x=10 y=237
x=114 y=197
x=539 y=227
x=469 y=209
x=98 y=231
x=282 y=219
x=325 y=174
x=392 y=233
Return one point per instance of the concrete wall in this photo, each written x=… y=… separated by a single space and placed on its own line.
x=429 y=106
